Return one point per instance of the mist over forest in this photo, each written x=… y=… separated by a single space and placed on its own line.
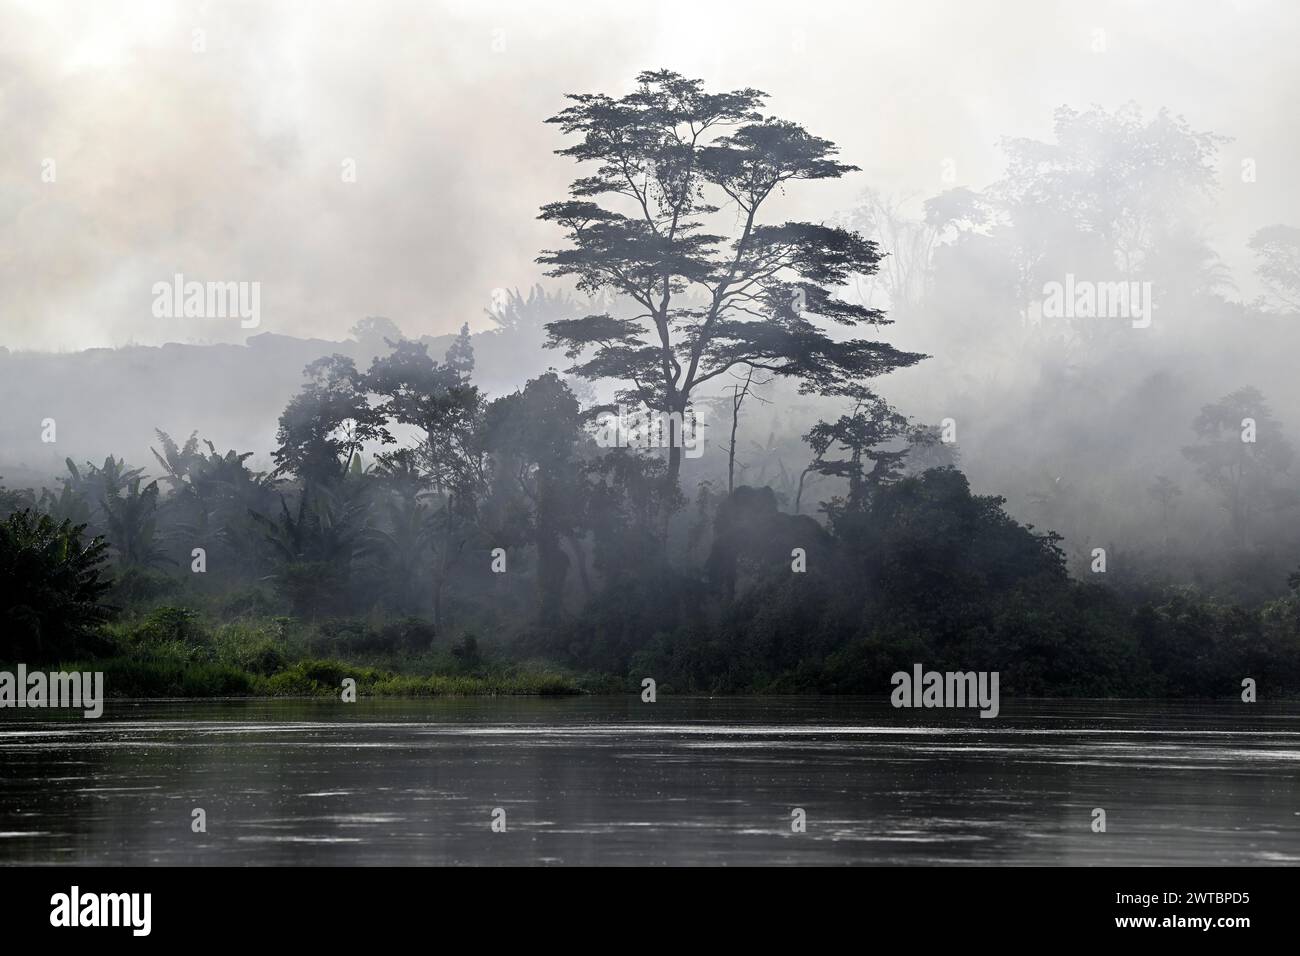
x=1035 y=411
x=1074 y=422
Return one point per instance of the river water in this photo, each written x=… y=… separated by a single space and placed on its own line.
x=612 y=780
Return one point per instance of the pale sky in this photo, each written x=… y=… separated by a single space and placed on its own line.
x=225 y=163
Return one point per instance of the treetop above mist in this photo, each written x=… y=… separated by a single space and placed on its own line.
x=672 y=159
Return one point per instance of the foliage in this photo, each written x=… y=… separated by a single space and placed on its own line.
x=327 y=423
x=400 y=488
x=673 y=154
x=1242 y=453
x=1278 y=249
x=52 y=586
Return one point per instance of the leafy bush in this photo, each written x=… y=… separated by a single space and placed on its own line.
x=325 y=678
x=137 y=586
x=51 y=586
x=166 y=623
x=466 y=652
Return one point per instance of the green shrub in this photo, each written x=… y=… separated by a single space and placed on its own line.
x=166 y=624
x=51 y=587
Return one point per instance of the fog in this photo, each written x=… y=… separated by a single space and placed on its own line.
x=390 y=159
x=226 y=164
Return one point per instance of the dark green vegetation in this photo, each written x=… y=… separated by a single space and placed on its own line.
x=423 y=538
x=918 y=569
x=50 y=584
x=762 y=297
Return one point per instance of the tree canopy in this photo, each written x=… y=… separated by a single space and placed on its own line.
x=673 y=163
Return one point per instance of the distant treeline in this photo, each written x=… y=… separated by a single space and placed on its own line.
x=504 y=537
x=415 y=515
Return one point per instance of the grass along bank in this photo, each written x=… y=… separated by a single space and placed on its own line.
x=179 y=652
x=168 y=677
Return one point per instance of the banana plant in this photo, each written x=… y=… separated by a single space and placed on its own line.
x=132 y=521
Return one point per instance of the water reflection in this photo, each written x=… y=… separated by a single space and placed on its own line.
x=613 y=780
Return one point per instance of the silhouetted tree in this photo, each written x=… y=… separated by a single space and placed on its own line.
x=524 y=318
x=401 y=546
x=1167 y=493
x=439 y=400
x=1113 y=181
x=659 y=151
x=533 y=436
x=460 y=354
x=376 y=333
x=328 y=422
x=1241 y=461
x=132 y=520
x=315 y=543
x=859 y=435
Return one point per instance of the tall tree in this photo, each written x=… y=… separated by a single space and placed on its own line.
x=533 y=436
x=1167 y=493
x=905 y=274
x=871 y=424
x=1278 y=249
x=1242 y=453
x=1114 y=185
x=669 y=157
x=132 y=521
x=376 y=334
x=401 y=546
x=328 y=422
x=438 y=398
x=737 y=401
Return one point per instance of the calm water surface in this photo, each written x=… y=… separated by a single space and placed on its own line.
x=685 y=780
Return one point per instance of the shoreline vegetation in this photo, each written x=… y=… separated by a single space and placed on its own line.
x=173 y=652
x=156 y=634
x=149 y=678
x=426 y=530
x=176 y=652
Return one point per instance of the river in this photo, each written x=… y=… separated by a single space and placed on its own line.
x=685 y=780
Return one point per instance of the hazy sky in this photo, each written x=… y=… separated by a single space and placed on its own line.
x=226 y=163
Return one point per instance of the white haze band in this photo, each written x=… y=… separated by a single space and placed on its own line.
x=57 y=689
x=923 y=688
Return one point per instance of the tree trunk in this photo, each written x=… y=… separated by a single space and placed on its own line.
x=552 y=562
x=552 y=572
x=674 y=464
x=579 y=558
x=731 y=451
x=437 y=608
x=798 y=497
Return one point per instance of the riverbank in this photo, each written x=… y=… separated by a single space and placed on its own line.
x=181 y=652
x=210 y=652
x=161 y=677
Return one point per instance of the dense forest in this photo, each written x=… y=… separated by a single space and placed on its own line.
x=424 y=535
